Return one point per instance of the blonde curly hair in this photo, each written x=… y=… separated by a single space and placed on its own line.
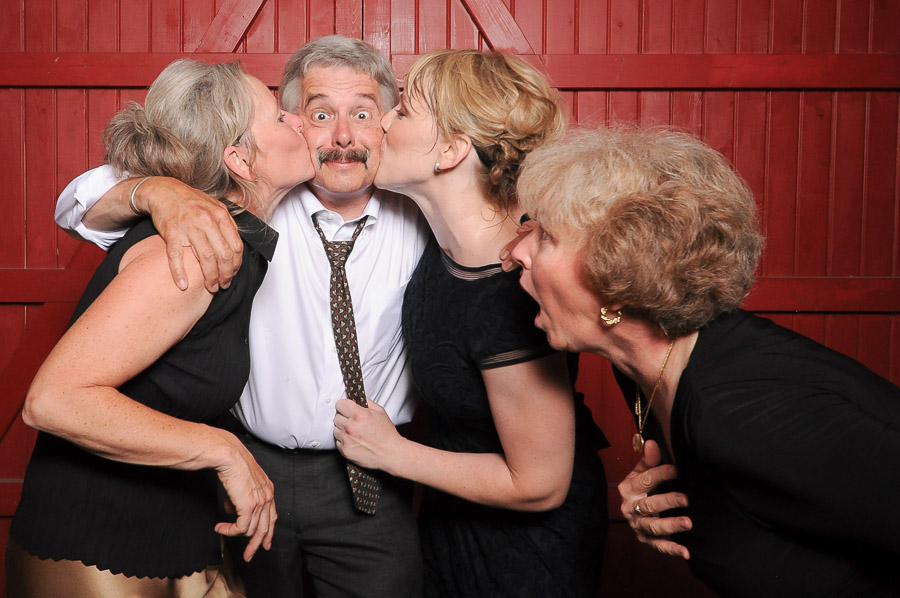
x=502 y=103
x=666 y=227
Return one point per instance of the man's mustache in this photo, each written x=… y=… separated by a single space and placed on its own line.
x=337 y=155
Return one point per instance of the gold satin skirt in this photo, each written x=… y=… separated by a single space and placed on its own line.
x=27 y=576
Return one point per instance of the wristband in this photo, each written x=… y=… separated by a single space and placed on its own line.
x=131 y=197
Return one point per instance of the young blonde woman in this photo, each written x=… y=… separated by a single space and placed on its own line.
x=516 y=505
x=119 y=497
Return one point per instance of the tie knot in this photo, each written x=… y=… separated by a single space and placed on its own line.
x=338 y=251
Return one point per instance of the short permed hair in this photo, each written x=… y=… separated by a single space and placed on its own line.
x=337 y=50
x=666 y=227
x=502 y=103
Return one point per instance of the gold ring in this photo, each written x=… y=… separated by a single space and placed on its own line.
x=637 y=509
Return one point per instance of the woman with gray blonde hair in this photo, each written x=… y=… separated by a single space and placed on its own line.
x=517 y=499
x=119 y=498
x=645 y=245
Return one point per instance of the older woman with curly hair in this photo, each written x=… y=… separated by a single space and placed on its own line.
x=516 y=505
x=787 y=452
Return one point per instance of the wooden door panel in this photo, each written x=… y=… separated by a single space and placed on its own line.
x=804 y=102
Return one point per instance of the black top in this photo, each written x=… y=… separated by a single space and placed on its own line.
x=458 y=321
x=789 y=454
x=138 y=520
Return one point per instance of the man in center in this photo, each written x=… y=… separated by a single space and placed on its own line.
x=341 y=88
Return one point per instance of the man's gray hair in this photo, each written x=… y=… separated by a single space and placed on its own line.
x=337 y=50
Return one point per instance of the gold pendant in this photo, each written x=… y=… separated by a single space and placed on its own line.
x=637 y=442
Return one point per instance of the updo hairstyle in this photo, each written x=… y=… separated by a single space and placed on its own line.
x=192 y=112
x=501 y=102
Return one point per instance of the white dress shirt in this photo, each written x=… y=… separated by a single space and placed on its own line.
x=295 y=377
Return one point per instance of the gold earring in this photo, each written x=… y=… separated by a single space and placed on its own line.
x=437 y=167
x=610 y=321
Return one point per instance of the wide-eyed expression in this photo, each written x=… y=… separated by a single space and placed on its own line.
x=341 y=112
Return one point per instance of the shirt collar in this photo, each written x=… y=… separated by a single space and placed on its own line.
x=312 y=206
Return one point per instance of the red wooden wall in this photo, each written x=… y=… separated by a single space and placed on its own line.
x=802 y=95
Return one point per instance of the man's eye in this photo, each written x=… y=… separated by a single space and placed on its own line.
x=363 y=115
x=319 y=116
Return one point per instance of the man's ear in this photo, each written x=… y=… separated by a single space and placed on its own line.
x=454 y=151
x=238 y=161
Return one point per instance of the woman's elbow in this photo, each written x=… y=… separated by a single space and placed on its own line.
x=39 y=410
x=546 y=497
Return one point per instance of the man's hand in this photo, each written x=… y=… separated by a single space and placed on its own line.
x=506 y=253
x=642 y=510
x=186 y=217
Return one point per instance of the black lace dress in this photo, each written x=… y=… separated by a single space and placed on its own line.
x=458 y=321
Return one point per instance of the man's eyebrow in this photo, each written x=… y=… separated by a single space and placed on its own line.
x=323 y=96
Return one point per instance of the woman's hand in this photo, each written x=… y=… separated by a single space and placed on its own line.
x=366 y=435
x=251 y=495
x=642 y=510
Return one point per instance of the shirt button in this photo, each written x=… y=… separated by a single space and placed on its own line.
x=246 y=341
x=314 y=443
x=328 y=401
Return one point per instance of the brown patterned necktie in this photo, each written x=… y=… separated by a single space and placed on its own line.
x=365 y=486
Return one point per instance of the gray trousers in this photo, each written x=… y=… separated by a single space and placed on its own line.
x=322 y=545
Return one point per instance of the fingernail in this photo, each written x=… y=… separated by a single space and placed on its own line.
x=182 y=284
x=504 y=254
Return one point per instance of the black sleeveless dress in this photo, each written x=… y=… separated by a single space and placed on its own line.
x=138 y=520
x=458 y=321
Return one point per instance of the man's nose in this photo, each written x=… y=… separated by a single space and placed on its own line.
x=343 y=132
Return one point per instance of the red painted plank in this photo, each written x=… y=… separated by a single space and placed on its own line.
x=463 y=31
x=842 y=333
x=560 y=28
x=197 y=17
x=260 y=37
x=134 y=33
x=103 y=26
x=432 y=25
x=321 y=18
x=781 y=183
x=498 y=27
x=40 y=26
x=656 y=34
x=229 y=25
x=12 y=27
x=291 y=28
x=529 y=15
x=787 y=26
x=620 y=71
x=71 y=26
x=592 y=108
x=166 y=26
x=853 y=27
x=12 y=143
x=37 y=285
x=41 y=335
x=750 y=157
x=348 y=16
x=721 y=27
x=718 y=121
x=811 y=325
x=885 y=19
x=688 y=27
x=403 y=27
x=655 y=108
x=623 y=107
x=825 y=294
x=819 y=28
x=41 y=128
x=753 y=27
x=845 y=242
x=687 y=111
x=377 y=25
x=880 y=230
x=12 y=327
x=624 y=36
x=813 y=194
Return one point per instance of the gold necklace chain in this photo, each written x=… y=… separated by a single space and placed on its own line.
x=637 y=441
